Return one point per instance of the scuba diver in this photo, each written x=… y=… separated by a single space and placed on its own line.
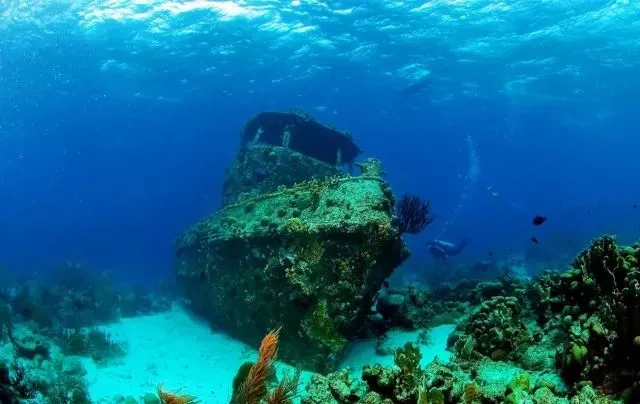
x=441 y=250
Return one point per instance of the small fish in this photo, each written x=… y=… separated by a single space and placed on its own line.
x=534 y=240
x=538 y=220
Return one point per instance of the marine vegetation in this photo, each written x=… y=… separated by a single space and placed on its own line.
x=92 y=342
x=251 y=384
x=413 y=214
x=173 y=398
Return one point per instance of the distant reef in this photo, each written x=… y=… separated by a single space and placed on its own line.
x=49 y=322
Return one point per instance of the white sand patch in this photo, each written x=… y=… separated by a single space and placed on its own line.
x=173 y=349
x=185 y=355
x=364 y=352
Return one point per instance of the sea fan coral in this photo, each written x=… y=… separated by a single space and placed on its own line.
x=286 y=390
x=254 y=387
x=413 y=214
x=172 y=398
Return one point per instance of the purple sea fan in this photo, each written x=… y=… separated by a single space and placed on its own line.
x=413 y=214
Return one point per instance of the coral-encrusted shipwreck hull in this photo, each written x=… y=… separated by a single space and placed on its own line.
x=309 y=259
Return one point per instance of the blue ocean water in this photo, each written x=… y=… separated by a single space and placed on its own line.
x=118 y=118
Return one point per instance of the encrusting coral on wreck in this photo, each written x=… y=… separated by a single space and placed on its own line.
x=309 y=254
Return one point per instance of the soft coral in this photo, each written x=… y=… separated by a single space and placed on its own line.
x=171 y=398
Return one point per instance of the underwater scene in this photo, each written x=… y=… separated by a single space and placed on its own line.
x=319 y=202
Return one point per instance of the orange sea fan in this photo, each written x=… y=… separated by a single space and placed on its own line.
x=254 y=387
x=171 y=398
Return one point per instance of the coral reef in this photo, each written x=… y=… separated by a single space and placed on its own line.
x=494 y=329
x=140 y=300
x=567 y=337
x=38 y=361
x=28 y=372
x=334 y=387
x=400 y=383
x=597 y=304
x=73 y=296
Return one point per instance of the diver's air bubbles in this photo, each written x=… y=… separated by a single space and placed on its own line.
x=470 y=180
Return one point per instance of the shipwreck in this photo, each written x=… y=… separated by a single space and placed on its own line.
x=300 y=241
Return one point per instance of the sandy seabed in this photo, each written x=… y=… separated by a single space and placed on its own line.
x=183 y=354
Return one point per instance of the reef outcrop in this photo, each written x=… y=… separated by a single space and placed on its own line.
x=597 y=305
x=566 y=337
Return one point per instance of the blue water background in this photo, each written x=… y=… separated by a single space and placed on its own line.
x=118 y=118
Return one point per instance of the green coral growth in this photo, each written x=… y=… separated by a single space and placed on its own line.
x=320 y=326
x=494 y=330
